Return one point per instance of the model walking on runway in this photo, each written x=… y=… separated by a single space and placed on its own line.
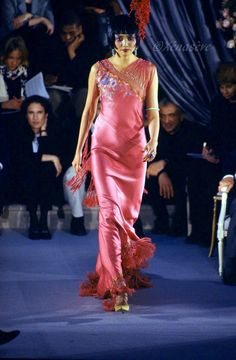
x=125 y=85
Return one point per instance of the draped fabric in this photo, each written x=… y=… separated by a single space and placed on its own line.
x=184 y=43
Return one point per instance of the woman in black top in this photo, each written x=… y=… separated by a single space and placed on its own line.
x=38 y=162
x=13 y=76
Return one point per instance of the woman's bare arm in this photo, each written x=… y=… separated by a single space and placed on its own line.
x=88 y=116
x=152 y=118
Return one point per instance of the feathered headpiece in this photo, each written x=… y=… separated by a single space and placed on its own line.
x=142 y=13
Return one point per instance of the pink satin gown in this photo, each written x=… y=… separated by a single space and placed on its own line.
x=118 y=173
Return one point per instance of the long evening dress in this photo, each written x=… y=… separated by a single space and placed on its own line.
x=118 y=172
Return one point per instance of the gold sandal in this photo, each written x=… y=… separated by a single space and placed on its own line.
x=122 y=303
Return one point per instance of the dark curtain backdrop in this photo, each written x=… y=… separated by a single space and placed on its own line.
x=184 y=43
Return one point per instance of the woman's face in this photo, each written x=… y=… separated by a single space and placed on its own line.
x=36 y=116
x=228 y=90
x=125 y=43
x=13 y=60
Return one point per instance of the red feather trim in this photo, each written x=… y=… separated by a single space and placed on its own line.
x=91 y=199
x=75 y=183
x=134 y=256
x=77 y=180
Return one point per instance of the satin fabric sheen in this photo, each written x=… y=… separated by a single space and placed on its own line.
x=118 y=172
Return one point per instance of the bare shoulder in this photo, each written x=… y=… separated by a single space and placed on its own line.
x=94 y=67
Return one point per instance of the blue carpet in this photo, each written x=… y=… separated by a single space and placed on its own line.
x=188 y=314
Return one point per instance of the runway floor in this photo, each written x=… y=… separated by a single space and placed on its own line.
x=188 y=314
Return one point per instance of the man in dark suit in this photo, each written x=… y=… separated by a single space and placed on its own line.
x=70 y=57
x=174 y=172
x=229 y=270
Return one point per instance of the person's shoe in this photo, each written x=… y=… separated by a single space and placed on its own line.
x=138 y=227
x=204 y=240
x=60 y=213
x=229 y=271
x=5 y=212
x=175 y=232
x=159 y=230
x=77 y=226
x=34 y=233
x=5 y=336
x=228 y=280
x=199 y=239
x=191 y=239
x=45 y=234
x=160 y=227
x=121 y=303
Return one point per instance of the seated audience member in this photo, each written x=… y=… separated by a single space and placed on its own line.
x=174 y=172
x=31 y=19
x=98 y=16
x=223 y=110
x=229 y=270
x=21 y=13
x=38 y=162
x=69 y=60
x=13 y=76
x=74 y=199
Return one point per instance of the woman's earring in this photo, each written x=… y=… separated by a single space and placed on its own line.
x=135 y=52
x=113 y=52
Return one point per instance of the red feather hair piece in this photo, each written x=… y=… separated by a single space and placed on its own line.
x=142 y=13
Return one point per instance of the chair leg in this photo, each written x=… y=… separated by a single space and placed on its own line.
x=220 y=230
x=213 y=230
x=221 y=255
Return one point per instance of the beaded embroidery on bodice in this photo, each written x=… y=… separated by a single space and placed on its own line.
x=134 y=77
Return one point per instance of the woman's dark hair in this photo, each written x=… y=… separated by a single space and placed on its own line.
x=44 y=103
x=16 y=43
x=68 y=18
x=36 y=99
x=226 y=73
x=165 y=102
x=122 y=24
